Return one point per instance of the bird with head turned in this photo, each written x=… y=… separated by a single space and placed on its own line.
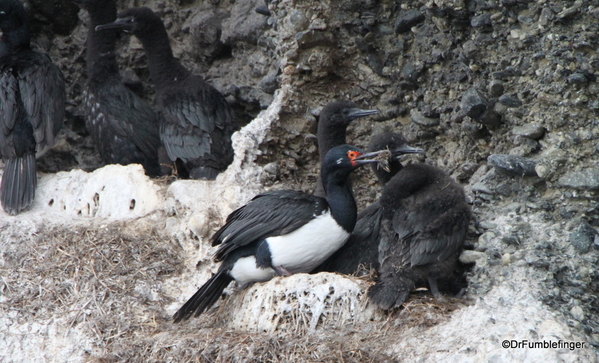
x=196 y=122
x=124 y=128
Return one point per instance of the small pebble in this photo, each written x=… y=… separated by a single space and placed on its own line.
x=509 y=101
x=531 y=131
x=474 y=103
x=408 y=19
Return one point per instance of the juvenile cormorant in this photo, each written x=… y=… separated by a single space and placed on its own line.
x=32 y=103
x=196 y=120
x=123 y=127
x=283 y=232
x=362 y=248
x=424 y=222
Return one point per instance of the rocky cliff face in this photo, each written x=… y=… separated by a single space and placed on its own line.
x=501 y=94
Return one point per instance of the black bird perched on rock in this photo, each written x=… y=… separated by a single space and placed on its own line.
x=332 y=126
x=32 y=103
x=424 y=221
x=283 y=232
x=196 y=120
x=124 y=128
x=362 y=248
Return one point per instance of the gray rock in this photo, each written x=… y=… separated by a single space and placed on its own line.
x=509 y=101
x=496 y=88
x=269 y=84
x=568 y=12
x=525 y=19
x=583 y=237
x=492 y=119
x=546 y=16
x=474 y=103
x=244 y=24
x=532 y=131
x=407 y=19
x=511 y=240
x=419 y=119
x=470 y=49
x=586 y=179
x=297 y=20
x=481 y=21
x=480 y=187
x=411 y=72
x=206 y=31
x=312 y=38
x=577 y=78
x=513 y=165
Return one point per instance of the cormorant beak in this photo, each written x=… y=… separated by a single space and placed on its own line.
x=372 y=157
x=78 y=2
x=406 y=149
x=355 y=113
x=125 y=24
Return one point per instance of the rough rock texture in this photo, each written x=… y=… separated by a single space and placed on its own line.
x=89 y=275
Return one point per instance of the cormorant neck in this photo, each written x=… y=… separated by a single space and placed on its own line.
x=329 y=136
x=164 y=67
x=101 y=56
x=384 y=176
x=340 y=199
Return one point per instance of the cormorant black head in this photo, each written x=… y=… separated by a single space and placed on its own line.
x=139 y=21
x=398 y=146
x=14 y=22
x=333 y=122
x=341 y=113
x=343 y=159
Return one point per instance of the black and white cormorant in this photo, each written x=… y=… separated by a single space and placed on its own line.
x=423 y=225
x=124 y=128
x=32 y=103
x=196 y=120
x=283 y=232
x=361 y=251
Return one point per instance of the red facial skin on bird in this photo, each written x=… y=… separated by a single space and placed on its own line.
x=352 y=155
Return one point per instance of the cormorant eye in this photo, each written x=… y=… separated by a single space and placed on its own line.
x=353 y=154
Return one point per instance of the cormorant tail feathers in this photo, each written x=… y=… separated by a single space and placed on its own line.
x=18 y=184
x=391 y=292
x=205 y=297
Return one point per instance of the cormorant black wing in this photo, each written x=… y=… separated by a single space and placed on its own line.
x=269 y=214
x=131 y=117
x=428 y=235
x=42 y=89
x=9 y=91
x=191 y=123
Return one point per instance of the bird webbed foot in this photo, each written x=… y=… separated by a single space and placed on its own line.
x=281 y=271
